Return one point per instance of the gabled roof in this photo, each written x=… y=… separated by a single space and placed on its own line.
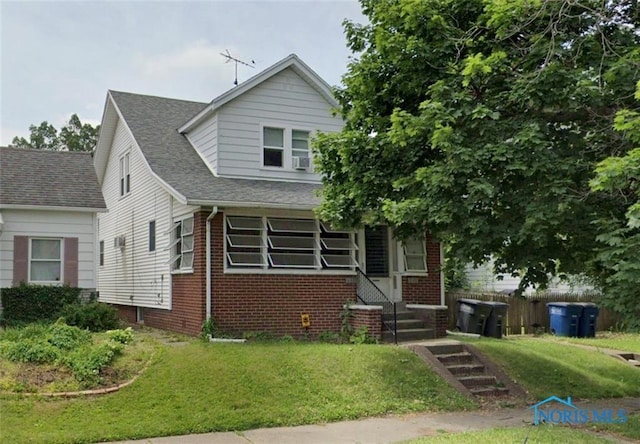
x=154 y=122
x=291 y=61
x=48 y=179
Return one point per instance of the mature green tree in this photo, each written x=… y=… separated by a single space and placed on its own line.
x=482 y=121
x=74 y=136
x=619 y=178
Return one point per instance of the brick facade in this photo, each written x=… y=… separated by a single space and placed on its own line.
x=365 y=316
x=274 y=302
x=268 y=302
x=425 y=289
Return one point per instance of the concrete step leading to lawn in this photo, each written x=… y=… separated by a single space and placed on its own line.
x=409 y=334
x=461 y=365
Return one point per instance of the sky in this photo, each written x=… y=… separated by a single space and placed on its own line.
x=58 y=57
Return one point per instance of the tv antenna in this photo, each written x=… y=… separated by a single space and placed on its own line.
x=229 y=58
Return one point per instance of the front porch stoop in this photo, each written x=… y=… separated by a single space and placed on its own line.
x=408 y=326
x=464 y=368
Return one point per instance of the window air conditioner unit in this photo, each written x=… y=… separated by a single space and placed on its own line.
x=119 y=242
x=301 y=163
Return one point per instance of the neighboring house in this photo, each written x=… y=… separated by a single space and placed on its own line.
x=49 y=201
x=211 y=213
x=482 y=278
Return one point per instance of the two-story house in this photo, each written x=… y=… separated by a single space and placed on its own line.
x=210 y=214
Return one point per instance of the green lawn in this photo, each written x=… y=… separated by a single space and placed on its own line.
x=543 y=434
x=214 y=387
x=630 y=429
x=617 y=341
x=545 y=367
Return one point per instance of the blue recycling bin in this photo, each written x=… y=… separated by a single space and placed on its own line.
x=564 y=318
x=588 y=319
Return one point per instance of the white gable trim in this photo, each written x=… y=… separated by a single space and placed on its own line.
x=101 y=165
x=291 y=61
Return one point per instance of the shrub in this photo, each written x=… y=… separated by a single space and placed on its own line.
x=86 y=362
x=67 y=337
x=121 y=336
x=37 y=351
x=94 y=316
x=36 y=303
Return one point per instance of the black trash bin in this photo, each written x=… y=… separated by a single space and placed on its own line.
x=495 y=321
x=472 y=315
x=587 y=323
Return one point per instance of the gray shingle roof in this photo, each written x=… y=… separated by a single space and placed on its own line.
x=154 y=122
x=48 y=178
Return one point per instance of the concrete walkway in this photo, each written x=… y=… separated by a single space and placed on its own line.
x=383 y=430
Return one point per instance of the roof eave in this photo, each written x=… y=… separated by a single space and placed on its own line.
x=236 y=204
x=53 y=208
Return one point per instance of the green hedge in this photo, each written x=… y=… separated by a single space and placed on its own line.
x=36 y=303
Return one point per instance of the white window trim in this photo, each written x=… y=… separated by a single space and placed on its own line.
x=124 y=186
x=407 y=272
x=101 y=253
x=287 y=156
x=173 y=241
x=61 y=281
x=265 y=269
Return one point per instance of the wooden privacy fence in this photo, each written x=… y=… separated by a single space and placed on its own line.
x=526 y=314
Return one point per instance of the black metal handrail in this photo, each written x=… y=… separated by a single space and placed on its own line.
x=368 y=293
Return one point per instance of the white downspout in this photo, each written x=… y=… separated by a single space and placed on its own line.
x=214 y=211
x=442 y=299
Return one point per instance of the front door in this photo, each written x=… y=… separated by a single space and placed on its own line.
x=378 y=247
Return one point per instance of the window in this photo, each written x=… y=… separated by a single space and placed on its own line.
x=299 y=143
x=182 y=245
x=286 y=243
x=45 y=260
x=152 y=235
x=285 y=147
x=101 y=253
x=273 y=140
x=415 y=255
x=125 y=177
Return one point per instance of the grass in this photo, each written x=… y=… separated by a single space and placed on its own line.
x=203 y=387
x=630 y=429
x=616 y=341
x=542 y=434
x=545 y=367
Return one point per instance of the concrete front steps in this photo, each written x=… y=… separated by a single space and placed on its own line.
x=465 y=369
x=409 y=327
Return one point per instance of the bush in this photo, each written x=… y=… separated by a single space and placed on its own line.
x=36 y=351
x=66 y=337
x=36 y=303
x=86 y=362
x=94 y=316
x=121 y=336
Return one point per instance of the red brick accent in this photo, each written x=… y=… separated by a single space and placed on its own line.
x=188 y=291
x=126 y=312
x=372 y=319
x=425 y=289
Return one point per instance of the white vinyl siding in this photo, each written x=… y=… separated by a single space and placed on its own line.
x=272 y=243
x=54 y=225
x=204 y=139
x=285 y=99
x=134 y=275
